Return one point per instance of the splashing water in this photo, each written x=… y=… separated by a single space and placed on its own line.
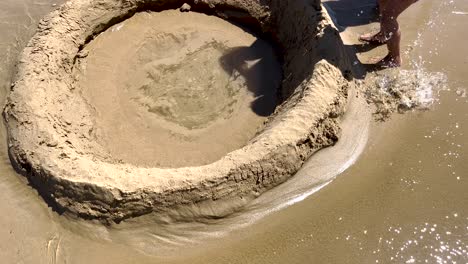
x=403 y=90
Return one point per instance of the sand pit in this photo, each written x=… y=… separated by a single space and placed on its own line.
x=121 y=109
x=184 y=93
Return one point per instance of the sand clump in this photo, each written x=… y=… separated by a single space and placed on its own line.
x=91 y=123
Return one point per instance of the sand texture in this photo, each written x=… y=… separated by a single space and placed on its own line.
x=80 y=116
x=191 y=90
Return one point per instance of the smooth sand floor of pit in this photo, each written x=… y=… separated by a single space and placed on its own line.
x=172 y=89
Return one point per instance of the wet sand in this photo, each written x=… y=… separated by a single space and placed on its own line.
x=144 y=81
x=405 y=199
x=54 y=128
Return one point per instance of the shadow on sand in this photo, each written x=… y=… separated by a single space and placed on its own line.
x=351 y=13
x=261 y=70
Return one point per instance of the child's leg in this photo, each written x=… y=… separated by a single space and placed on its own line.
x=377 y=38
x=391 y=29
x=382 y=4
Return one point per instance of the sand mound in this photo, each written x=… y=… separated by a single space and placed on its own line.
x=108 y=131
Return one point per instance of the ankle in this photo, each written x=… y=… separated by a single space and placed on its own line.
x=394 y=59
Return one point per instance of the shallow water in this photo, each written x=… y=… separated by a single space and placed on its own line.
x=403 y=201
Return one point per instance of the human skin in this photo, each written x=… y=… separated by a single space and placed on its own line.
x=391 y=10
x=390 y=32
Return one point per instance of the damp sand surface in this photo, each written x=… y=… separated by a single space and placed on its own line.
x=173 y=89
x=404 y=201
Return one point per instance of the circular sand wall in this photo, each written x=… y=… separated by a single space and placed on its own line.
x=54 y=129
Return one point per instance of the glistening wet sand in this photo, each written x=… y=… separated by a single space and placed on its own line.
x=404 y=199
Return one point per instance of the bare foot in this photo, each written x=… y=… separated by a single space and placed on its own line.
x=388 y=62
x=378 y=38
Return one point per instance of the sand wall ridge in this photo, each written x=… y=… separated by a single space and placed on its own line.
x=52 y=137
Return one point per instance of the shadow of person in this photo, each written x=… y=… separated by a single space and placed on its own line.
x=377 y=64
x=365 y=47
x=351 y=13
x=260 y=68
x=262 y=71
